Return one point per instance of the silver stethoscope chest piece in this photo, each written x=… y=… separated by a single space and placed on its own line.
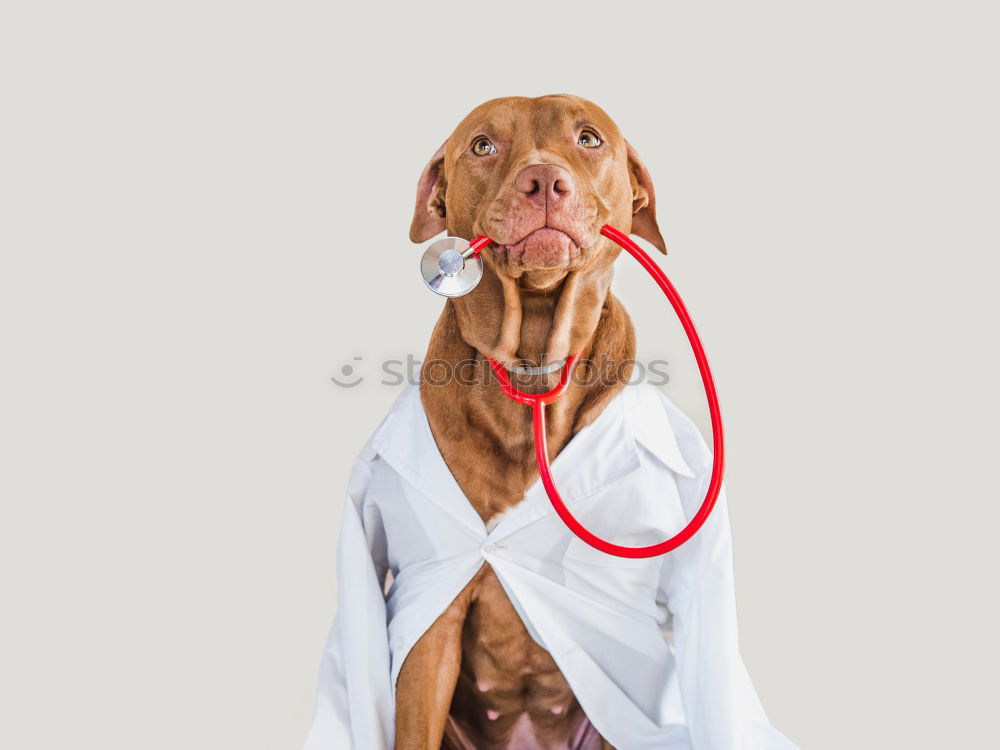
x=450 y=267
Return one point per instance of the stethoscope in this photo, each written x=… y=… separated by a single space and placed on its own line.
x=452 y=267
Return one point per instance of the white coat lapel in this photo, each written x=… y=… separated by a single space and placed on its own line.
x=406 y=443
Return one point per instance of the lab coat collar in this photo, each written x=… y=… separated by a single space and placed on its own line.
x=601 y=453
x=405 y=441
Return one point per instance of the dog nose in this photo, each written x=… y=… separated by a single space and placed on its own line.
x=544 y=183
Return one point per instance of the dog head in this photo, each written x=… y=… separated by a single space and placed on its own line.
x=540 y=177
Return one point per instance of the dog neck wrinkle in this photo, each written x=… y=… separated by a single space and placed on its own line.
x=541 y=282
x=510 y=324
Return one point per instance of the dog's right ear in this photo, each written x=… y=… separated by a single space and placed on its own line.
x=428 y=213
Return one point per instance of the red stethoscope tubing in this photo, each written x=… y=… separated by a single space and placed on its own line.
x=537 y=402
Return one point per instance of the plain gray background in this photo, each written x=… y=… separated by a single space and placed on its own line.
x=203 y=218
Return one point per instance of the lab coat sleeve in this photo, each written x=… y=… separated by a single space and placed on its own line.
x=354 y=703
x=722 y=708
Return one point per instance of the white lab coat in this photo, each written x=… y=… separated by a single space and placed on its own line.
x=634 y=476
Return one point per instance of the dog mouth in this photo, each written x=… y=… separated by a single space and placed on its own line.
x=545 y=247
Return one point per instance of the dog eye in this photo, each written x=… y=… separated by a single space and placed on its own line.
x=589 y=139
x=483 y=147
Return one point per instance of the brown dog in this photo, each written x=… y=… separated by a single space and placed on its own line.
x=540 y=177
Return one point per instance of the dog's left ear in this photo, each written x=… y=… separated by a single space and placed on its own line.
x=643 y=201
x=428 y=213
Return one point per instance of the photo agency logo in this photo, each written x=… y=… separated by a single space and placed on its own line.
x=397 y=372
